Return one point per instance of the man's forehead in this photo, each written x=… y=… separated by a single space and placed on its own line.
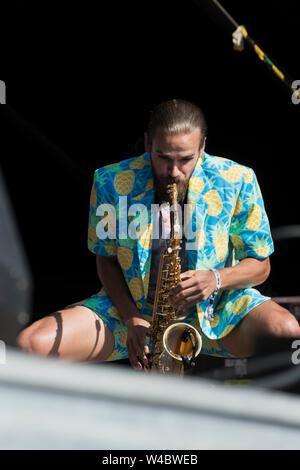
x=182 y=142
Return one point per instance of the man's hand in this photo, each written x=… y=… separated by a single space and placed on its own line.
x=195 y=286
x=112 y=279
x=138 y=330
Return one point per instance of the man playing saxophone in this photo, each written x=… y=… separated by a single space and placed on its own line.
x=224 y=253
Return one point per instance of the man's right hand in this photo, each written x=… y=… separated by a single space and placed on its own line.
x=138 y=330
x=113 y=281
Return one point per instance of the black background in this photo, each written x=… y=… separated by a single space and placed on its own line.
x=81 y=79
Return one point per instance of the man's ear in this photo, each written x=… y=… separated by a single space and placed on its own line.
x=202 y=148
x=147 y=143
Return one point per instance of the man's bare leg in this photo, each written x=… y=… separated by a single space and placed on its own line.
x=75 y=334
x=269 y=319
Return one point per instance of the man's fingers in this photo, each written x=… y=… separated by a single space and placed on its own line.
x=143 y=349
x=183 y=295
x=184 y=284
x=137 y=344
x=186 y=275
x=187 y=298
x=191 y=301
x=137 y=349
x=133 y=359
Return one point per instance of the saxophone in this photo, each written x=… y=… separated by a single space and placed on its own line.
x=173 y=344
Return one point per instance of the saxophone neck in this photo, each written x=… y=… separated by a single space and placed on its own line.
x=174 y=215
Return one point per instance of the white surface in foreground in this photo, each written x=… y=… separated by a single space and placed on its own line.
x=50 y=404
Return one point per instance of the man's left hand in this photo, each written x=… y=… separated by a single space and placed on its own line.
x=195 y=286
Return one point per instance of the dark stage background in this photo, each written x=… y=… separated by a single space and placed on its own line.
x=80 y=83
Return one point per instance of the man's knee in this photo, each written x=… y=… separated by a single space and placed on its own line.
x=271 y=318
x=35 y=340
x=290 y=326
x=279 y=321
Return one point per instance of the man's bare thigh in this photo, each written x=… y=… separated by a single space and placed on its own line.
x=75 y=333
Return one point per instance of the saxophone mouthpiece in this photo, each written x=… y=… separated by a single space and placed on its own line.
x=172 y=190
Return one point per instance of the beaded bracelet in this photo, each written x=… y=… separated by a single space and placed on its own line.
x=209 y=312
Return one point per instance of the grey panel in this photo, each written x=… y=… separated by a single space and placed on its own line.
x=15 y=277
x=50 y=404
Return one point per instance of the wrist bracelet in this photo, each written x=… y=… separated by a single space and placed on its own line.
x=209 y=312
x=218 y=279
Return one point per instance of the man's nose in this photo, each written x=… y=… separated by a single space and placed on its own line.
x=174 y=171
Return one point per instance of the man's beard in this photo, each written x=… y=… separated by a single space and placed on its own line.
x=160 y=187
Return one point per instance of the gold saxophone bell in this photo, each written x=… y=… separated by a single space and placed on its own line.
x=178 y=343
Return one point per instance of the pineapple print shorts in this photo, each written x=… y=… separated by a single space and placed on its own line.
x=103 y=307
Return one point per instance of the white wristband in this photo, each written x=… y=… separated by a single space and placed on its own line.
x=218 y=279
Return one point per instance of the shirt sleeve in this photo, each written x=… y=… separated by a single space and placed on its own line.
x=249 y=229
x=102 y=218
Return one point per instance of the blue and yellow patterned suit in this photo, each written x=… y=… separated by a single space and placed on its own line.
x=226 y=220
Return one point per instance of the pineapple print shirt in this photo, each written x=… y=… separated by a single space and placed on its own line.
x=225 y=222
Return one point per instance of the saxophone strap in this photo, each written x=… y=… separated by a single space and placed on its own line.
x=209 y=312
